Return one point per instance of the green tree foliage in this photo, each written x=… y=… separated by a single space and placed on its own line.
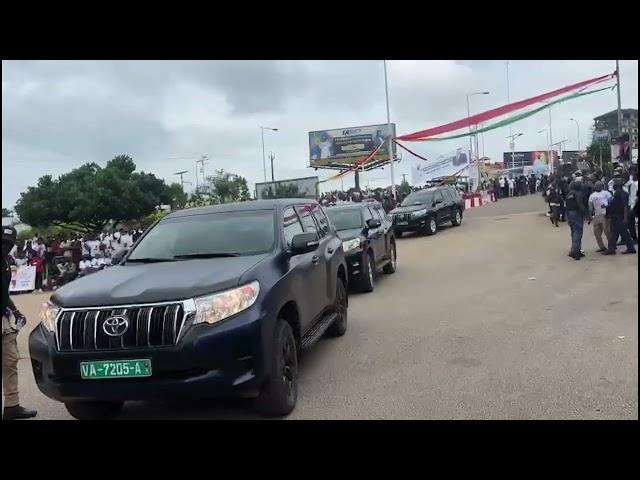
x=404 y=189
x=89 y=197
x=228 y=187
x=597 y=150
x=282 y=190
x=6 y=212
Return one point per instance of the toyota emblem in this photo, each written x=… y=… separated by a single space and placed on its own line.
x=116 y=326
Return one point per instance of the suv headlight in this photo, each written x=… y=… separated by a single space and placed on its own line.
x=48 y=315
x=350 y=245
x=419 y=213
x=216 y=307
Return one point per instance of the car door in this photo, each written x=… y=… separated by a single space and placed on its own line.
x=439 y=207
x=317 y=279
x=448 y=202
x=328 y=249
x=301 y=270
x=387 y=228
x=375 y=235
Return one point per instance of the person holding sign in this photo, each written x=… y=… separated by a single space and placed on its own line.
x=12 y=322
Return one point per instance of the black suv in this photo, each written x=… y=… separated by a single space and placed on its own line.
x=425 y=210
x=368 y=241
x=211 y=301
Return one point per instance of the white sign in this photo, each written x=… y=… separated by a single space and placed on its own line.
x=634 y=156
x=23 y=279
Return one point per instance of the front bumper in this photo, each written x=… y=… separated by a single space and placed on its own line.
x=228 y=359
x=355 y=264
x=412 y=225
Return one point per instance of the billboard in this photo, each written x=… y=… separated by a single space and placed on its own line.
x=529 y=162
x=576 y=158
x=442 y=166
x=342 y=147
x=306 y=187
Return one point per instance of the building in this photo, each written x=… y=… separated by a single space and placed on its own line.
x=606 y=126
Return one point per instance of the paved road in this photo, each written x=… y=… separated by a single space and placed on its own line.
x=487 y=321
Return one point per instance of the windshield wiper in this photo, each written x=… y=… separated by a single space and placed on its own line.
x=149 y=260
x=207 y=255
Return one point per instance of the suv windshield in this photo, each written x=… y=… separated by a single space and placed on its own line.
x=216 y=234
x=418 y=198
x=345 y=219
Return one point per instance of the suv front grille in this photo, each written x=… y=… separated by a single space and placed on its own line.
x=400 y=217
x=148 y=326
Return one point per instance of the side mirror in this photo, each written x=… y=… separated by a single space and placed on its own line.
x=304 y=243
x=117 y=258
x=373 y=223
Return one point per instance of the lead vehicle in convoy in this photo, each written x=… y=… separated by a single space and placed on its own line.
x=426 y=210
x=213 y=301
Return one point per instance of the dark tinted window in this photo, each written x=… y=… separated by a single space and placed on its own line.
x=308 y=223
x=320 y=217
x=446 y=193
x=437 y=196
x=377 y=210
x=418 y=198
x=367 y=214
x=244 y=233
x=345 y=218
x=292 y=225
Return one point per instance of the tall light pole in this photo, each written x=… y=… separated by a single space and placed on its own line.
x=264 y=161
x=203 y=161
x=619 y=102
x=271 y=158
x=182 y=182
x=512 y=143
x=471 y=137
x=578 y=126
x=390 y=140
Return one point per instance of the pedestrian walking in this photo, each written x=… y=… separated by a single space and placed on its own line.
x=632 y=189
x=12 y=321
x=555 y=204
x=576 y=215
x=598 y=202
x=617 y=213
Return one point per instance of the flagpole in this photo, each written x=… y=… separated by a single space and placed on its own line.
x=389 y=132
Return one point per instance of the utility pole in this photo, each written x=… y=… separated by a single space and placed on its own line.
x=619 y=102
x=271 y=157
x=404 y=177
x=182 y=182
x=203 y=161
x=386 y=91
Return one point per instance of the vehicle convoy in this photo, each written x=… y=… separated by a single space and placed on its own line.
x=368 y=241
x=426 y=210
x=211 y=301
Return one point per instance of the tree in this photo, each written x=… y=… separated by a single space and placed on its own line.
x=599 y=152
x=404 y=188
x=6 y=212
x=87 y=198
x=228 y=187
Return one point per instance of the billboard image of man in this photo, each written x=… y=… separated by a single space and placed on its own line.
x=378 y=139
x=326 y=145
x=460 y=157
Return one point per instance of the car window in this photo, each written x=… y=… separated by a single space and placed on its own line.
x=292 y=225
x=308 y=223
x=367 y=214
x=320 y=217
x=345 y=218
x=446 y=193
x=243 y=233
x=437 y=195
x=377 y=210
x=420 y=197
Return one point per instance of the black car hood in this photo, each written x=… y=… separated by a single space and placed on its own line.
x=408 y=209
x=349 y=234
x=154 y=282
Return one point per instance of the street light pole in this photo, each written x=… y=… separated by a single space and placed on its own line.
x=578 y=126
x=472 y=137
x=271 y=157
x=619 y=102
x=390 y=146
x=264 y=160
x=513 y=148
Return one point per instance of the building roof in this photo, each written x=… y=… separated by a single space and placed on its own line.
x=615 y=113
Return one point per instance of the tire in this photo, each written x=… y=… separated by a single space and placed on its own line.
x=431 y=227
x=367 y=281
x=280 y=391
x=390 y=267
x=457 y=219
x=93 y=410
x=339 y=327
x=398 y=233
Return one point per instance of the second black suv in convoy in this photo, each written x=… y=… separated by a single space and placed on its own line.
x=368 y=241
x=211 y=301
x=425 y=210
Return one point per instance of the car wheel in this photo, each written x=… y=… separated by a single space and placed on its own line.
x=93 y=410
x=367 y=280
x=339 y=326
x=457 y=219
x=391 y=266
x=280 y=391
x=432 y=226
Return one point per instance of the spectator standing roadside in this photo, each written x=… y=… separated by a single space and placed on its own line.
x=576 y=214
x=617 y=212
x=632 y=189
x=598 y=202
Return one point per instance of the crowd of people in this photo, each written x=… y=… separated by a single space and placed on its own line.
x=61 y=259
x=610 y=204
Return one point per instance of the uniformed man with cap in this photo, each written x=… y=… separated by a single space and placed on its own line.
x=12 y=322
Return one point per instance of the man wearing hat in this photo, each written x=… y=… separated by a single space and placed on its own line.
x=12 y=322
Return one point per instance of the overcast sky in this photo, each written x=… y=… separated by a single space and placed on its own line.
x=57 y=115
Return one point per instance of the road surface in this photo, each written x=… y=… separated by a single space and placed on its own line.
x=490 y=320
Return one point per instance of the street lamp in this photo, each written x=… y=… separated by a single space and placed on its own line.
x=578 y=126
x=513 y=148
x=547 y=131
x=471 y=138
x=264 y=162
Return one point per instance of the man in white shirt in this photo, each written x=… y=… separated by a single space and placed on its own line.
x=598 y=202
x=512 y=186
x=632 y=189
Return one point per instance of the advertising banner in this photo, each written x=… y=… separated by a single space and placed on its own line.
x=529 y=162
x=23 y=279
x=343 y=147
x=442 y=166
x=306 y=187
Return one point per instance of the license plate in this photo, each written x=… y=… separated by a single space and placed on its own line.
x=115 y=369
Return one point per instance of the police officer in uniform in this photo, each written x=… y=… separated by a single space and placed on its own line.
x=12 y=322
